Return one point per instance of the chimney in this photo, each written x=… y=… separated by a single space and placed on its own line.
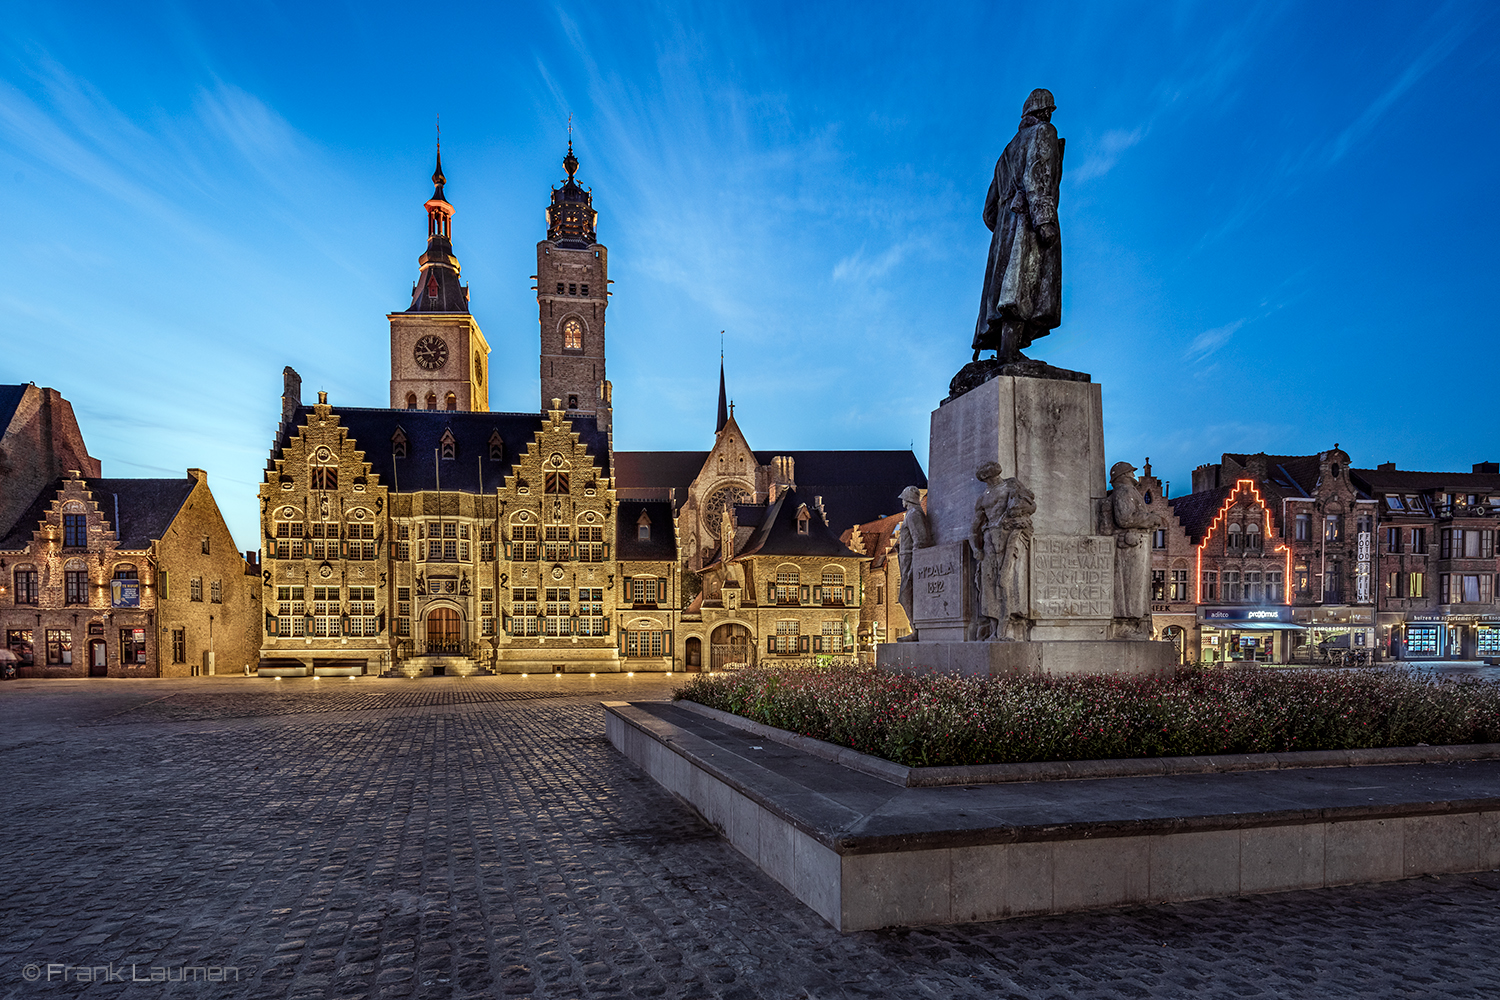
x=291 y=394
x=1391 y=467
x=1492 y=468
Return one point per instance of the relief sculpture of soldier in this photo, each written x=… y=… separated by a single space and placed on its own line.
x=1022 y=297
x=915 y=533
x=1131 y=520
x=1000 y=536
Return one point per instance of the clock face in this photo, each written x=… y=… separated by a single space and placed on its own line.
x=431 y=352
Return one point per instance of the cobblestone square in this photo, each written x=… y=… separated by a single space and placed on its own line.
x=454 y=837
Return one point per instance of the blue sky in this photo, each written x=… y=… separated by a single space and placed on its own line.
x=1278 y=219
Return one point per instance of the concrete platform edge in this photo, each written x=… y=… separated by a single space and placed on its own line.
x=909 y=883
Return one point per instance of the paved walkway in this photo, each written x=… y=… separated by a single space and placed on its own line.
x=479 y=838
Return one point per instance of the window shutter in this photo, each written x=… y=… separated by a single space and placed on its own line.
x=802 y=643
x=666 y=646
x=625 y=590
x=661 y=590
x=770 y=644
x=849 y=595
x=770 y=592
x=804 y=594
x=817 y=644
x=817 y=596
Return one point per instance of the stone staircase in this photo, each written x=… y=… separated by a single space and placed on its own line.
x=438 y=666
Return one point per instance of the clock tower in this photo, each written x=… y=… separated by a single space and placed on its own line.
x=572 y=293
x=439 y=358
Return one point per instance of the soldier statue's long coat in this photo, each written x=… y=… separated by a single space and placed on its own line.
x=1023 y=280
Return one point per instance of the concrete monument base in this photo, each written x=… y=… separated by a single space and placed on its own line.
x=1060 y=658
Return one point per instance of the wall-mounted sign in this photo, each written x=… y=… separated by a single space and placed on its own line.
x=125 y=593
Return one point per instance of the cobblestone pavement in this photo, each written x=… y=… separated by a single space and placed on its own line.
x=480 y=838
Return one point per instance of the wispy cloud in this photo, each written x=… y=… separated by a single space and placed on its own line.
x=1108 y=152
x=1210 y=341
x=860 y=269
x=1419 y=67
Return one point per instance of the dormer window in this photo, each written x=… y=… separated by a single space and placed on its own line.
x=497 y=447
x=449 y=445
x=643 y=527
x=398 y=439
x=802 y=522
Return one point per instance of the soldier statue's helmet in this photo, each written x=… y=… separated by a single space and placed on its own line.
x=1039 y=100
x=1120 y=469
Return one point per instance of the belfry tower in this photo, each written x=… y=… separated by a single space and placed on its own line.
x=572 y=292
x=439 y=358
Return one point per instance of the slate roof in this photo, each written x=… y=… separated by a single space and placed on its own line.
x=10 y=398
x=856 y=486
x=776 y=529
x=662 y=544
x=1391 y=480
x=372 y=430
x=146 y=509
x=1196 y=511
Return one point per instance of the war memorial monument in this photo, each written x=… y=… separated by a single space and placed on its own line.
x=1025 y=560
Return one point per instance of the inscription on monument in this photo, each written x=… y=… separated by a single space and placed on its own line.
x=939 y=580
x=1072 y=576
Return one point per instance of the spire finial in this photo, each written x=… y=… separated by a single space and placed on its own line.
x=438 y=179
x=570 y=162
x=723 y=406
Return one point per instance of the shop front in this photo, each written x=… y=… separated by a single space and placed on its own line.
x=1441 y=636
x=1333 y=627
x=1247 y=634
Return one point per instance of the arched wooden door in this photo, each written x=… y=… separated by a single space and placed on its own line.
x=694 y=654
x=444 y=631
x=730 y=646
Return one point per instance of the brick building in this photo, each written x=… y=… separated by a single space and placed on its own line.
x=439 y=537
x=1277 y=553
x=1437 y=574
x=126 y=578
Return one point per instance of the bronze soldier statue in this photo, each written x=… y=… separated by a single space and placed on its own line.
x=1022 y=297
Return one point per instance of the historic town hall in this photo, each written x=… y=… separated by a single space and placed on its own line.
x=439 y=537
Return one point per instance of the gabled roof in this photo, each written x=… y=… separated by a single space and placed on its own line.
x=776 y=529
x=856 y=486
x=877 y=537
x=145 y=509
x=372 y=430
x=663 y=542
x=1196 y=511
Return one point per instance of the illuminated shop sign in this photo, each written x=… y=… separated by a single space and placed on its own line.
x=125 y=593
x=1246 y=614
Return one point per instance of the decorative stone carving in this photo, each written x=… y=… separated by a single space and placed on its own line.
x=1000 y=536
x=915 y=534
x=1022 y=298
x=1131 y=520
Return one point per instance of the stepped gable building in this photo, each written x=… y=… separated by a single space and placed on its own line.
x=882 y=619
x=1272 y=555
x=438 y=537
x=1437 y=575
x=126 y=578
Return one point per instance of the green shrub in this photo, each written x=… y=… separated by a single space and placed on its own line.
x=934 y=720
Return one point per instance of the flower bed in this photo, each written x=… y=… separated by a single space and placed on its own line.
x=935 y=720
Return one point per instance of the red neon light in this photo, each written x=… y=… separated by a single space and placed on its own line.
x=1229 y=502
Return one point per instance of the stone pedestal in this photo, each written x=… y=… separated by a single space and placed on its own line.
x=1049 y=434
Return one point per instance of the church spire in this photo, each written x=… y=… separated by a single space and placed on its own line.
x=438 y=288
x=723 y=399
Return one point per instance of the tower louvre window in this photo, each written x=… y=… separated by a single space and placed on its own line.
x=432 y=400
x=559 y=288
x=583 y=289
